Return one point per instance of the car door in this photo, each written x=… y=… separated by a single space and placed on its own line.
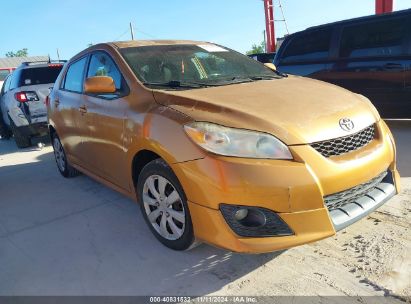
x=306 y=54
x=372 y=62
x=68 y=106
x=106 y=117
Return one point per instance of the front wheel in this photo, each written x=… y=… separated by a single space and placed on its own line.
x=164 y=206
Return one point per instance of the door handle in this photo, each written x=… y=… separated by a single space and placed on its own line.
x=83 y=109
x=393 y=66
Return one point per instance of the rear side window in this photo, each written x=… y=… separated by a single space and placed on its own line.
x=308 y=47
x=4 y=74
x=40 y=75
x=374 y=39
x=74 y=77
x=6 y=85
x=102 y=65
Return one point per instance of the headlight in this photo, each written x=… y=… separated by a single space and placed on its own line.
x=236 y=142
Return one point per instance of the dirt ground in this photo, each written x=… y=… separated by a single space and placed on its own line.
x=77 y=237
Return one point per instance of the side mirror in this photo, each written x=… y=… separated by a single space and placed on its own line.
x=271 y=66
x=99 y=85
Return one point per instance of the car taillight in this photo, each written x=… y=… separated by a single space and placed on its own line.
x=55 y=65
x=26 y=96
x=21 y=96
x=47 y=101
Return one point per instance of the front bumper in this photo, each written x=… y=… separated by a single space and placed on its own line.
x=308 y=226
x=295 y=190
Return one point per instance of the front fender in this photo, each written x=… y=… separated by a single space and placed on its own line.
x=161 y=132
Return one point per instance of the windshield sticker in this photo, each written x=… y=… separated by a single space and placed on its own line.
x=212 y=48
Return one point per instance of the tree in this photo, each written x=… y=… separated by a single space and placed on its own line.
x=20 y=53
x=260 y=48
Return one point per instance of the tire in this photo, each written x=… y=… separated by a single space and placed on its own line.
x=5 y=132
x=61 y=160
x=164 y=206
x=22 y=141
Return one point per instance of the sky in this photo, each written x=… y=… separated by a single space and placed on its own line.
x=43 y=26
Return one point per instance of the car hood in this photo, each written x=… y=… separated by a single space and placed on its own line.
x=296 y=110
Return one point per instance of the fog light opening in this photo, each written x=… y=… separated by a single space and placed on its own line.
x=250 y=217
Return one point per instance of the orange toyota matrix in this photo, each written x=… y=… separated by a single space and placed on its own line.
x=219 y=148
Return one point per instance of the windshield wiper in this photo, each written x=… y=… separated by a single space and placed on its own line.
x=245 y=79
x=177 y=84
x=264 y=77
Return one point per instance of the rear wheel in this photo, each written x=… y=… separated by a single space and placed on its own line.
x=22 y=140
x=61 y=160
x=164 y=206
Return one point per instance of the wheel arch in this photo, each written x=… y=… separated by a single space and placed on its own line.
x=52 y=131
x=141 y=159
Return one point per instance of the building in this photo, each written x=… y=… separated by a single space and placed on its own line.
x=14 y=62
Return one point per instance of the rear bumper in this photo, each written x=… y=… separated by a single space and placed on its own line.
x=36 y=129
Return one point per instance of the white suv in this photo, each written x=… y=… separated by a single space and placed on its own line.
x=22 y=101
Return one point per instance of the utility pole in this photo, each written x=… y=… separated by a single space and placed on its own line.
x=132 y=31
x=384 y=6
x=269 y=23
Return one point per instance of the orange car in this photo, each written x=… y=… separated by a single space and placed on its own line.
x=219 y=148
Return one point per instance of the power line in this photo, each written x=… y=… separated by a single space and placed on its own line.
x=282 y=13
x=122 y=35
x=133 y=29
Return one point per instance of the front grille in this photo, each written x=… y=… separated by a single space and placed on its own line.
x=340 y=199
x=342 y=145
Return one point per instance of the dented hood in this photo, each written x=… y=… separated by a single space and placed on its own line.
x=296 y=110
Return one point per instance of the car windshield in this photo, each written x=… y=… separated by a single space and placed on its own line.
x=193 y=66
x=40 y=75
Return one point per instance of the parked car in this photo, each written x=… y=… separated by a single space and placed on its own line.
x=217 y=147
x=263 y=57
x=369 y=55
x=22 y=101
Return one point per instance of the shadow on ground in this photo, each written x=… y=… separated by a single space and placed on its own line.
x=77 y=237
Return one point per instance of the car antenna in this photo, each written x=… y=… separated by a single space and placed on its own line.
x=49 y=59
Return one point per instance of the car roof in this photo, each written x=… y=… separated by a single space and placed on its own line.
x=135 y=43
x=140 y=43
x=359 y=19
x=39 y=64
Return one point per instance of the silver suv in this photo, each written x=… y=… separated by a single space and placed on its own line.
x=22 y=101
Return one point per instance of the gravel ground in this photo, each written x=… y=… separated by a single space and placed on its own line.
x=77 y=237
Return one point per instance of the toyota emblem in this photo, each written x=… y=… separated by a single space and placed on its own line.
x=346 y=124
